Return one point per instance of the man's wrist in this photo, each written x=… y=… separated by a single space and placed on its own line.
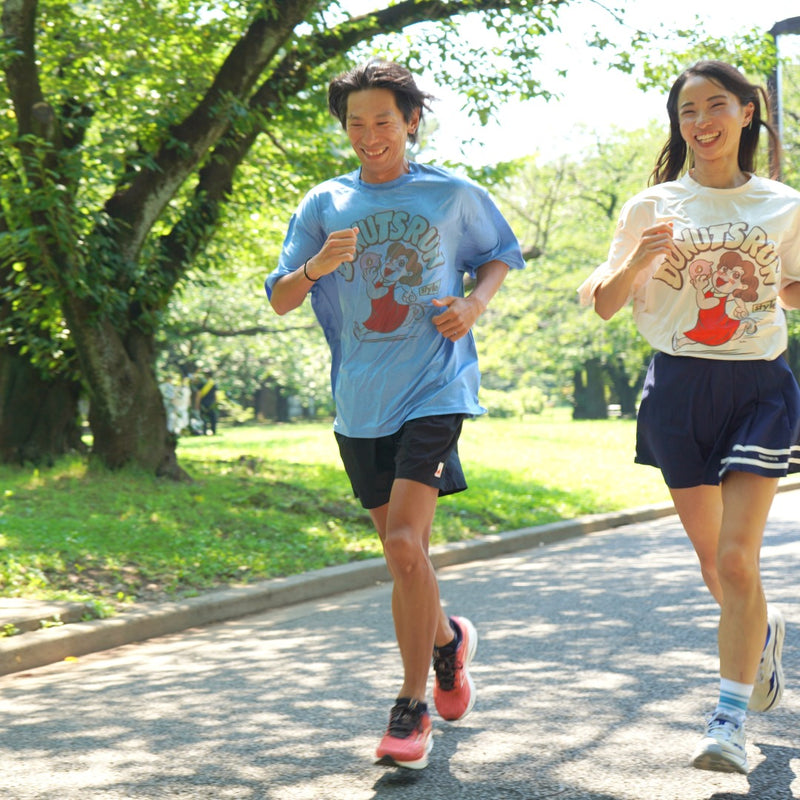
x=305 y=273
x=480 y=303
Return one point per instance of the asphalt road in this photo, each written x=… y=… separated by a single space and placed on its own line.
x=595 y=667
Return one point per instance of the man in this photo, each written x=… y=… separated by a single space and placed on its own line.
x=206 y=403
x=384 y=252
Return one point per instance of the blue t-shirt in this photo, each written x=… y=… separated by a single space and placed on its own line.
x=418 y=235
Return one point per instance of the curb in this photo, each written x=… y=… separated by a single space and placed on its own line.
x=48 y=645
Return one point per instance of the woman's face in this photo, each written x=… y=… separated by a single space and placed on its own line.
x=711 y=120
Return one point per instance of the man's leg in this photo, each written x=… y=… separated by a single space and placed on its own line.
x=404 y=526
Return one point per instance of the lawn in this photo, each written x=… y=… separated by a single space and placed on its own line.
x=273 y=500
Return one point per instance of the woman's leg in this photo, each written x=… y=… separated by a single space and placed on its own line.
x=700 y=512
x=726 y=525
x=746 y=500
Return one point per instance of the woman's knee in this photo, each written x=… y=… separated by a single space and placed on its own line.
x=737 y=568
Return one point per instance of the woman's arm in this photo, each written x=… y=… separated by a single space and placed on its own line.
x=613 y=293
x=790 y=295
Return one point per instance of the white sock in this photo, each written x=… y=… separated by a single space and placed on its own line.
x=733 y=698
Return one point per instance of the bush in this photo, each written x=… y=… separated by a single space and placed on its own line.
x=516 y=403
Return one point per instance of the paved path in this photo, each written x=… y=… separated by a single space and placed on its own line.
x=595 y=666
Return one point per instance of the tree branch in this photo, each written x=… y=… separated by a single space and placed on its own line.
x=140 y=204
x=254 y=330
x=22 y=77
x=290 y=76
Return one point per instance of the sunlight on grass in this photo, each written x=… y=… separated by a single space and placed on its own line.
x=271 y=500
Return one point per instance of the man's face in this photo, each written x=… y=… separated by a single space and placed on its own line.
x=378 y=134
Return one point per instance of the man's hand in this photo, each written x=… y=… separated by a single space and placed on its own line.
x=458 y=317
x=339 y=248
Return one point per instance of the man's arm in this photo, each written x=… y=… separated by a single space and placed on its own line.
x=291 y=289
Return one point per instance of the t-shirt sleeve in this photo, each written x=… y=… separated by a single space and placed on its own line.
x=633 y=219
x=488 y=236
x=304 y=239
x=790 y=255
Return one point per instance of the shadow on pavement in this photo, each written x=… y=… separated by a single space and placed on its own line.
x=595 y=666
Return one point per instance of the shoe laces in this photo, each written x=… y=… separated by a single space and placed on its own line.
x=720 y=723
x=404 y=720
x=445 y=669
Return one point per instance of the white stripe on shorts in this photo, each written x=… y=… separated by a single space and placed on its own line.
x=763 y=457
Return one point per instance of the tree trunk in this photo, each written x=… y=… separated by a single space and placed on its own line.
x=39 y=418
x=589 y=391
x=126 y=410
x=625 y=391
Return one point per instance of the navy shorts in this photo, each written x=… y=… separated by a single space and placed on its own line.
x=700 y=418
x=423 y=450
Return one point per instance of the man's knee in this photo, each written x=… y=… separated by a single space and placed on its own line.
x=404 y=551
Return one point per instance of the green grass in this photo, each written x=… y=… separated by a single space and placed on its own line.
x=273 y=500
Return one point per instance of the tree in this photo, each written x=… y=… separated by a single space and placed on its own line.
x=566 y=212
x=126 y=125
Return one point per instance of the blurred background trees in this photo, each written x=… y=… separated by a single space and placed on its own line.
x=154 y=150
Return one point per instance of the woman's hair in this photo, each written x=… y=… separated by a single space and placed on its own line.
x=675 y=157
x=376 y=74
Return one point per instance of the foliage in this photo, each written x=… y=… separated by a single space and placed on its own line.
x=121 y=169
x=147 y=196
x=538 y=307
x=521 y=402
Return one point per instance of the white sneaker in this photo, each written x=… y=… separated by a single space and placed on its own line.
x=723 y=747
x=769 y=678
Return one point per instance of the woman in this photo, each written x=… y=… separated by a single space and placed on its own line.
x=710 y=256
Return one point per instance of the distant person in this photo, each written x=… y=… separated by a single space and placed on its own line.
x=206 y=402
x=177 y=399
x=167 y=389
x=182 y=403
x=710 y=256
x=384 y=252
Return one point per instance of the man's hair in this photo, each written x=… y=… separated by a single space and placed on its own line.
x=377 y=74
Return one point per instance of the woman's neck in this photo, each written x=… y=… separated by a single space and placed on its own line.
x=719 y=177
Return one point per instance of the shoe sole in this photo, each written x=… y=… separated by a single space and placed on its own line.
x=472 y=648
x=777 y=654
x=717 y=761
x=779 y=634
x=421 y=763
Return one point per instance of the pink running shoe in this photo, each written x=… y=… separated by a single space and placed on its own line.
x=408 y=739
x=454 y=691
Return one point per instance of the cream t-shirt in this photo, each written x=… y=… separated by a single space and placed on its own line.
x=718 y=298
